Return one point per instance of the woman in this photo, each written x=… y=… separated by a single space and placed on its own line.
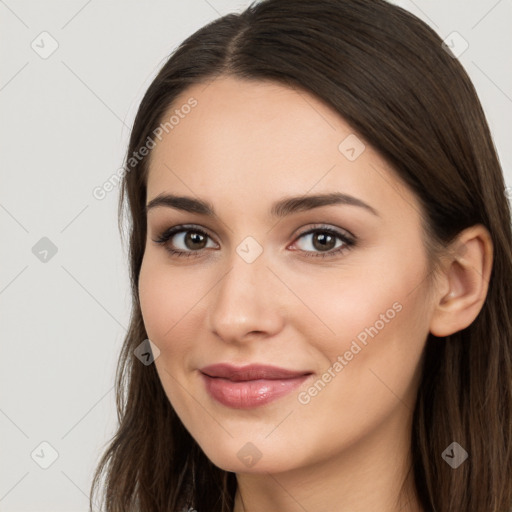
x=320 y=252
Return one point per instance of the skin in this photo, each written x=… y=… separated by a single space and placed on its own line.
x=245 y=145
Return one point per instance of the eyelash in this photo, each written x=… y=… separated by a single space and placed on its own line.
x=164 y=237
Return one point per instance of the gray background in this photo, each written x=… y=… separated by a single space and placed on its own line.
x=65 y=125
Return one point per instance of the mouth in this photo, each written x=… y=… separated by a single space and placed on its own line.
x=250 y=386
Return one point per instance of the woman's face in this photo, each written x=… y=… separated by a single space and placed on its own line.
x=328 y=297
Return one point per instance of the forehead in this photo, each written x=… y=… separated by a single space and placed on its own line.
x=263 y=140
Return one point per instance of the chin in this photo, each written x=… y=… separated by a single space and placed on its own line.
x=247 y=457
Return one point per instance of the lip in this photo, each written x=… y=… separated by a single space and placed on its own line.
x=245 y=387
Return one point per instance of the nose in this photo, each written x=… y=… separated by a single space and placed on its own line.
x=246 y=302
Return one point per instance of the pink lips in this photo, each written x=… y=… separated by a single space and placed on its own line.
x=249 y=386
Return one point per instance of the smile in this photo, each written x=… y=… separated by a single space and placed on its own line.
x=249 y=386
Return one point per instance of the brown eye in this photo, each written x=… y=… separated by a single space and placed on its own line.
x=194 y=240
x=323 y=242
x=184 y=241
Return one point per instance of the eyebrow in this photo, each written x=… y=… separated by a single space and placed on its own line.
x=281 y=208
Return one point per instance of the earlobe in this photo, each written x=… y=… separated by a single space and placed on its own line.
x=466 y=281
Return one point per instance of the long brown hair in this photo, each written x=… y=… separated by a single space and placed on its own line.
x=386 y=73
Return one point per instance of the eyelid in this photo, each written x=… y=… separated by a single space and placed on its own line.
x=347 y=238
x=311 y=228
x=179 y=228
x=327 y=227
x=348 y=241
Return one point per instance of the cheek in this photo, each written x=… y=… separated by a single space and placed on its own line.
x=370 y=365
x=170 y=305
x=170 y=300
x=379 y=303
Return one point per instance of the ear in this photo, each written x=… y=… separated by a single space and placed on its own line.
x=462 y=287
